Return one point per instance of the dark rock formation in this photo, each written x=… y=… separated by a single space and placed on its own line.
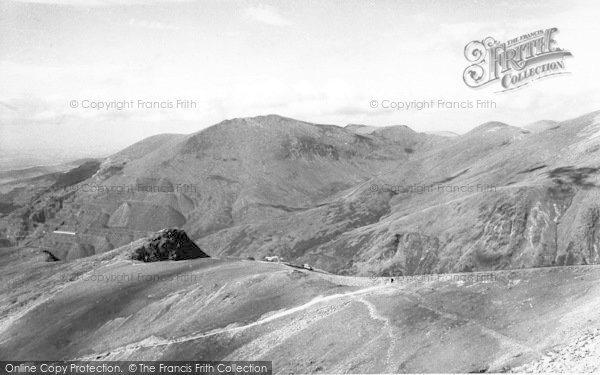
x=168 y=244
x=50 y=257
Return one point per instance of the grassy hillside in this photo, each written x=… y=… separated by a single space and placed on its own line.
x=107 y=307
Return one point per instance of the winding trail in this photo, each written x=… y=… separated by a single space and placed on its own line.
x=155 y=342
x=391 y=365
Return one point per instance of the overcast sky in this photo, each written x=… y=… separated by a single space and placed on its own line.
x=319 y=61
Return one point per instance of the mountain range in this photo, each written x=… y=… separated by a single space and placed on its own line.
x=481 y=249
x=357 y=200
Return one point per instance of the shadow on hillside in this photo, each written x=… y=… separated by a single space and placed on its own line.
x=575 y=176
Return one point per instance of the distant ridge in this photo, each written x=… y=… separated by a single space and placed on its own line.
x=443 y=133
x=540 y=126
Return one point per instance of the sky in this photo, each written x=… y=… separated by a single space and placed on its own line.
x=318 y=61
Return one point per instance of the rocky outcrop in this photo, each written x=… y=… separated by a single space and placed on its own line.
x=168 y=244
x=581 y=356
x=49 y=256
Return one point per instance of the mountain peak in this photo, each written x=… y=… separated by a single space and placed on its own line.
x=370 y=129
x=495 y=126
x=263 y=118
x=490 y=125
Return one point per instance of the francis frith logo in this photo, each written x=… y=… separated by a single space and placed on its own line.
x=514 y=63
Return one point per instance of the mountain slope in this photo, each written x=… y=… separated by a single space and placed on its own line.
x=106 y=307
x=497 y=197
x=387 y=201
x=236 y=172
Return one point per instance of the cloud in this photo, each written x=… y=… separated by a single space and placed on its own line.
x=152 y=25
x=97 y=3
x=5 y=106
x=267 y=15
